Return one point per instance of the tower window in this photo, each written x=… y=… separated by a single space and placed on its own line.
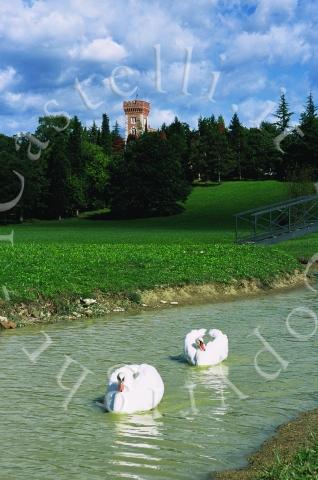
x=133 y=119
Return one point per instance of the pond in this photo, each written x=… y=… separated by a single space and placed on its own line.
x=210 y=419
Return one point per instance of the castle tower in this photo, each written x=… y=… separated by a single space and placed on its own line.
x=136 y=112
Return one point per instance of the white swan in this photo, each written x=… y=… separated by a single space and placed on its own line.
x=212 y=353
x=134 y=388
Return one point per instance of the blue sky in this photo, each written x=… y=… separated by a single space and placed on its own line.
x=241 y=54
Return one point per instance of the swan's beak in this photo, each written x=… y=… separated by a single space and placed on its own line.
x=121 y=386
x=202 y=346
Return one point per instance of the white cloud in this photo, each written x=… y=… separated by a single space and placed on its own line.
x=239 y=82
x=256 y=53
x=284 y=44
x=254 y=111
x=7 y=76
x=159 y=116
x=99 y=50
x=24 y=101
x=39 y=24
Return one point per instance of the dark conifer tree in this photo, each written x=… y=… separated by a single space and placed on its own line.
x=309 y=115
x=283 y=114
x=105 y=139
x=236 y=137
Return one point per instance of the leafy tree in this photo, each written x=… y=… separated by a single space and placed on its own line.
x=9 y=183
x=75 y=145
x=76 y=180
x=59 y=198
x=148 y=180
x=179 y=138
x=96 y=175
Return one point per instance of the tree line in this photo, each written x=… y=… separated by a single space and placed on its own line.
x=82 y=169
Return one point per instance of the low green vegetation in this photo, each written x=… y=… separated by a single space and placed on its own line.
x=82 y=256
x=303 y=466
x=35 y=270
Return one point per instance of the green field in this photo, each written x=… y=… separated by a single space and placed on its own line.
x=208 y=218
x=83 y=255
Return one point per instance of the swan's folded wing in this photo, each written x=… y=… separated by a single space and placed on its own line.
x=192 y=336
x=215 y=332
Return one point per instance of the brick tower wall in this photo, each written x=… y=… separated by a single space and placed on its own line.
x=136 y=112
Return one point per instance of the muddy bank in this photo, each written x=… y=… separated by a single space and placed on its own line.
x=288 y=440
x=67 y=309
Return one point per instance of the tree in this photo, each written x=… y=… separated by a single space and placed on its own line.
x=179 y=138
x=225 y=162
x=94 y=134
x=96 y=174
x=207 y=127
x=309 y=115
x=236 y=138
x=303 y=149
x=105 y=140
x=283 y=114
x=60 y=195
x=75 y=145
x=273 y=162
x=76 y=180
x=118 y=144
x=9 y=183
x=148 y=180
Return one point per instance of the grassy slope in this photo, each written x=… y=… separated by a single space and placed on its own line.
x=79 y=256
x=208 y=218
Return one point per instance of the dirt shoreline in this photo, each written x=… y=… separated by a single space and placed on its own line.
x=286 y=442
x=67 y=309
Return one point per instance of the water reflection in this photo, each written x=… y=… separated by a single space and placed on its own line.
x=137 y=444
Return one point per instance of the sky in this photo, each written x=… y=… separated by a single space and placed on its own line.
x=188 y=58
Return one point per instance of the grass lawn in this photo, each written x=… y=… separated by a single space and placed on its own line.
x=82 y=255
x=208 y=218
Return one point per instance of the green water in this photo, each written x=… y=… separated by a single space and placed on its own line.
x=203 y=424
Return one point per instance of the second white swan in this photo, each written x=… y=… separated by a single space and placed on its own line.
x=197 y=352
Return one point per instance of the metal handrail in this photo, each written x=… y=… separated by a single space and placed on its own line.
x=274 y=206
x=285 y=218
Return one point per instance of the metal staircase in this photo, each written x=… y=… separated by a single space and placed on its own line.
x=278 y=222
